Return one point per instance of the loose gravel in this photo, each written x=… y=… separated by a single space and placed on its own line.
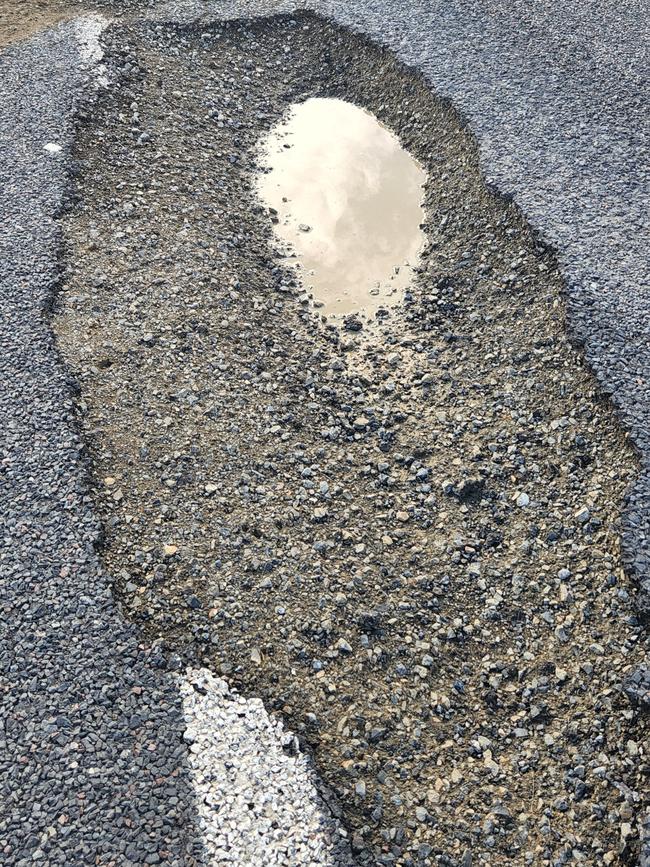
x=557 y=96
x=403 y=538
x=95 y=765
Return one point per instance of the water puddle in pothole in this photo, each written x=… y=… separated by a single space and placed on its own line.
x=348 y=199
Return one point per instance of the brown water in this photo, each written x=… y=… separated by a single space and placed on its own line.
x=348 y=201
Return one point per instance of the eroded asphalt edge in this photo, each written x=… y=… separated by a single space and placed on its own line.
x=92 y=764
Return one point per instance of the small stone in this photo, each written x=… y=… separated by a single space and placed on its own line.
x=352 y=323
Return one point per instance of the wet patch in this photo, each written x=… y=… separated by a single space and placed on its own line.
x=347 y=198
x=407 y=546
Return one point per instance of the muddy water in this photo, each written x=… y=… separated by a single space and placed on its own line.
x=349 y=205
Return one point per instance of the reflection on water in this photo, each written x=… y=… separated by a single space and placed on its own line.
x=348 y=201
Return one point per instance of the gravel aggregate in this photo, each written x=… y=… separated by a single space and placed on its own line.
x=94 y=765
x=402 y=537
x=559 y=106
x=557 y=96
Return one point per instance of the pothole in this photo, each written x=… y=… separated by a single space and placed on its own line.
x=347 y=198
x=416 y=565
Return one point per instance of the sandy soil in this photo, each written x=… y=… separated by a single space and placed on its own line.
x=20 y=19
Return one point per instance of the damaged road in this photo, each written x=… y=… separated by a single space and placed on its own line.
x=404 y=537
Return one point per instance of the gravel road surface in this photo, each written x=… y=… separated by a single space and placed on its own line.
x=97 y=764
x=368 y=530
x=557 y=96
x=94 y=767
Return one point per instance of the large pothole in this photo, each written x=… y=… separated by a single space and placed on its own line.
x=404 y=540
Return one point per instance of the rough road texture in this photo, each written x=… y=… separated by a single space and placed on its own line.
x=536 y=86
x=405 y=541
x=94 y=764
x=92 y=767
x=558 y=98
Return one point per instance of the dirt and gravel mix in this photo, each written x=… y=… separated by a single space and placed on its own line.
x=402 y=537
x=19 y=19
x=22 y=19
